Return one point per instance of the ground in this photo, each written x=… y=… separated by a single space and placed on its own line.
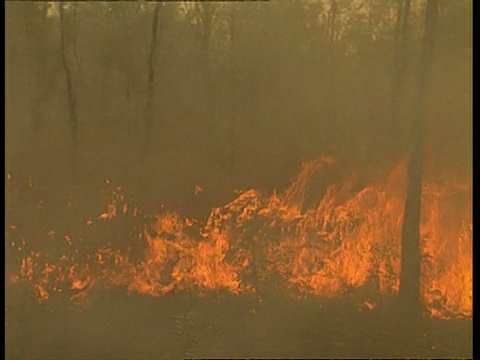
x=114 y=325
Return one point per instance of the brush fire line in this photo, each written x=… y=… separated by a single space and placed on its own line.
x=346 y=245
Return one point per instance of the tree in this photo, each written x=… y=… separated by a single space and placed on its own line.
x=119 y=50
x=411 y=256
x=233 y=87
x=331 y=96
x=151 y=62
x=399 y=67
x=70 y=65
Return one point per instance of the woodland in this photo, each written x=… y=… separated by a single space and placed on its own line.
x=238 y=179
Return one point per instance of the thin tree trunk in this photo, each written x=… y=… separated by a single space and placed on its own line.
x=145 y=148
x=71 y=94
x=411 y=252
x=151 y=76
x=331 y=105
x=206 y=18
x=233 y=120
x=73 y=41
x=399 y=68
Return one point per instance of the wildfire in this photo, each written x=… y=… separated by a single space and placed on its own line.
x=350 y=241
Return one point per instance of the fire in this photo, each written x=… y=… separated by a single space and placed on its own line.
x=349 y=243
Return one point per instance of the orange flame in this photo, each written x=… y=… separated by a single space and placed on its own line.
x=348 y=242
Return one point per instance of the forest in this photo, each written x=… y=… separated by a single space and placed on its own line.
x=173 y=166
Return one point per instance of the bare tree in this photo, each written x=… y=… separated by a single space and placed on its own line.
x=233 y=94
x=119 y=55
x=151 y=62
x=411 y=256
x=70 y=65
x=331 y=67
x=399 y=67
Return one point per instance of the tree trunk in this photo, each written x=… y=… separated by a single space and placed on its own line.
x=151 y=77
x=71 y=91
x=148 y=123
x=233 y=119
x=206 y=12
x=400 y=43
x=331 y=88
x=411 y=252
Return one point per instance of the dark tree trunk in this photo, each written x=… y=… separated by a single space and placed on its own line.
x=205 y=13
x=411 y=252
x=399 y=68
x=233 y=120
x=71 y=91
x=145 y=146
x=331 y=88
x=151 y=77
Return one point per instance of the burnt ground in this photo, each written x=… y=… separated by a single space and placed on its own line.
x=114 y=325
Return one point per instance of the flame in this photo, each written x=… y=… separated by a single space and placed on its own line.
x=349 y=243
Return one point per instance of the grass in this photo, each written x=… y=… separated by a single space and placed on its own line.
x=115 y=325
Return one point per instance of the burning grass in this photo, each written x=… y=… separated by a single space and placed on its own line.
x=348 y=243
